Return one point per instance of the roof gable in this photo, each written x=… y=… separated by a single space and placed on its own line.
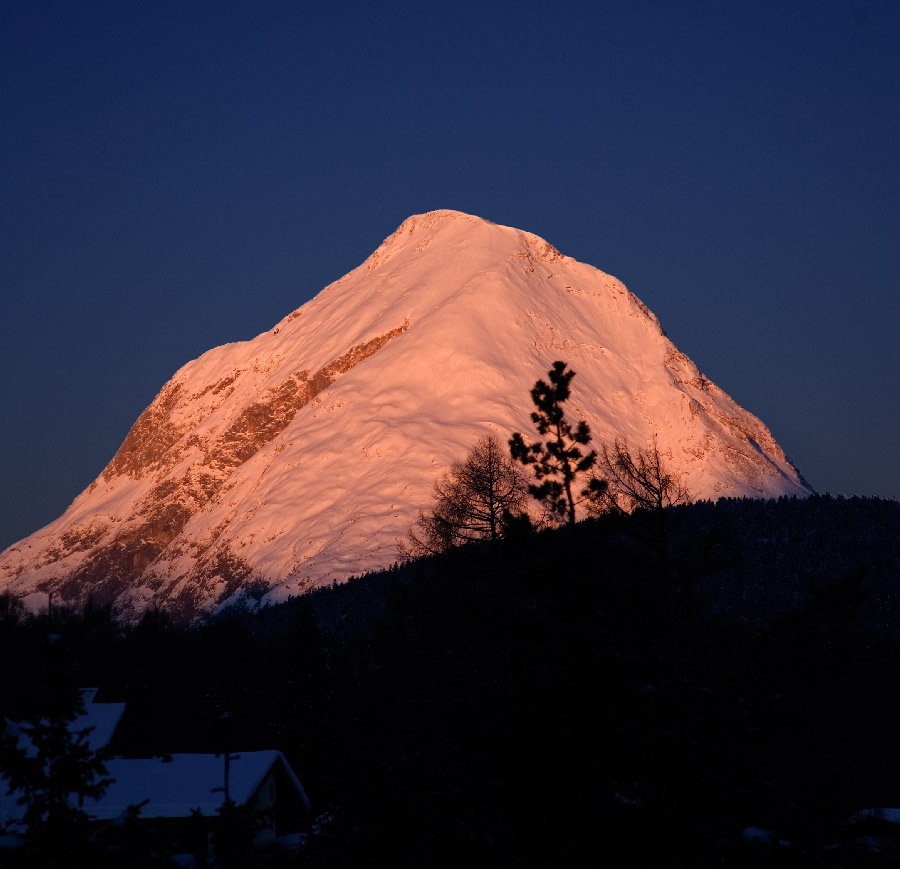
x=178 y=784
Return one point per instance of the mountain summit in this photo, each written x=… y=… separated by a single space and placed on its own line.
x=301 y=457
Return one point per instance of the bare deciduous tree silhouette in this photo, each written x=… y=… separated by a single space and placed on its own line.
x=470 y=501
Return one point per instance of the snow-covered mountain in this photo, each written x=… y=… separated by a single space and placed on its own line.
x=301 y=457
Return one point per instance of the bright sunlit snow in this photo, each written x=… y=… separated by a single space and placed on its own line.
x=452 y=319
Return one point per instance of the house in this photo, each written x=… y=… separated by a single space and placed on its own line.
x=177 y=786
x=173 y=791
x=98 y=721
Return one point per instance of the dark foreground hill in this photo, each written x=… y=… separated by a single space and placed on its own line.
x=722 y=693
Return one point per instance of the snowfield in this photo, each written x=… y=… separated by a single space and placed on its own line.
x=301 y=457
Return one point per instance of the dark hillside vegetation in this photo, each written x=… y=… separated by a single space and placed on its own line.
x=728 y=701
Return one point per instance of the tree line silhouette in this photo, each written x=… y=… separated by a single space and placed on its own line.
x=484 y=496
x=722 y=698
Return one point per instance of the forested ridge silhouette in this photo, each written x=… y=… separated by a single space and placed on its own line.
x=554 y=694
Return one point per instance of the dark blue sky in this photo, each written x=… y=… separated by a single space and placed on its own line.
x=174 y=176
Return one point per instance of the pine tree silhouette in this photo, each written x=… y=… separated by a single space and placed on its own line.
x=558 y=460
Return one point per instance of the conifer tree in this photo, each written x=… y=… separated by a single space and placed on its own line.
x=47 y=761
x=558 y=461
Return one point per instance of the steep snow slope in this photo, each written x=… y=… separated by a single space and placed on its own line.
x=301 y=457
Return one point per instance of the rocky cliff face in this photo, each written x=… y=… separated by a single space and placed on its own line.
x=301 y=457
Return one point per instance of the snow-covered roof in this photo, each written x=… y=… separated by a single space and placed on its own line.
x=178 y=784
x=98 y=719
x=102 y=718
x=892 y=816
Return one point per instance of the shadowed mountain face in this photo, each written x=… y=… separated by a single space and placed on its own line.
x=301 y=457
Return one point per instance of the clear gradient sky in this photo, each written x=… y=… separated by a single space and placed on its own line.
x=175 y=176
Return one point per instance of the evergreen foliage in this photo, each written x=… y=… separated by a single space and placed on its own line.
x=12 y=611
x=460 y=710
x=48 y=763
x=558 y=460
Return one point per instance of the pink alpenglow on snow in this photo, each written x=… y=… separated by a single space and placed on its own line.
x=301 y=457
